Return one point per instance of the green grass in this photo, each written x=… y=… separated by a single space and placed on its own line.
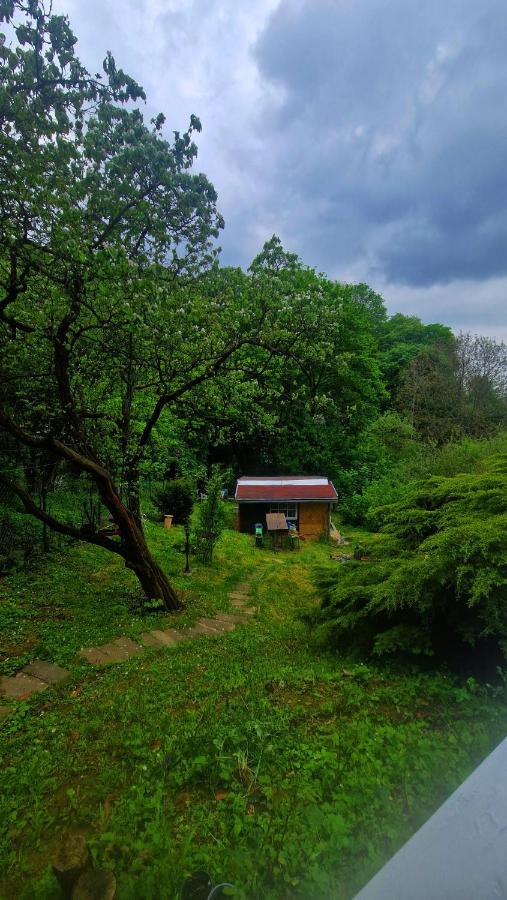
x=85 y=596
x=256 y=755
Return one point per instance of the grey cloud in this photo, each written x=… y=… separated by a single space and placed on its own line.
x=395 y=122
x=476 y=306
x=371 y=135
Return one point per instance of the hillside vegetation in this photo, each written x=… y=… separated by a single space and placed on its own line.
x=256 y=756
x=437 y=583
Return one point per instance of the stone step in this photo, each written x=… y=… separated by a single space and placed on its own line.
x=199 y=629
x=97 y=656
x=118 y=650
x=217 y=624
x=231 y=617
x=165 y=637
x=149 y=639
x=46 y=671
x=175 y=634
x=20 y=686
x=237 y=595
x=246 y=610
x=243 y=588
x=127 y=645
x=242 y=605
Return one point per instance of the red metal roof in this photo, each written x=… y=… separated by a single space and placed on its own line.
x=280 y=489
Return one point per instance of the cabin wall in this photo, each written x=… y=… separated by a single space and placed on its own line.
x=251 y=513
x=313 y=520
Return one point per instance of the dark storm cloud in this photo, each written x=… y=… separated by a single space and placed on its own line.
x=371 y=135
x=393 y=128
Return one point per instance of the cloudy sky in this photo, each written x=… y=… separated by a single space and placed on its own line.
x=371 y=135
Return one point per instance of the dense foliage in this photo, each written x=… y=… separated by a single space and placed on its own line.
x=438 y=585
x=114 y=322
x=176 y=498
x=135 y=370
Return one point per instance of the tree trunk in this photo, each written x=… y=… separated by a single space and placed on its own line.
x=133 y=547
x=136 y=552
x=133 y=501
x=132 y=479
x=153 y=580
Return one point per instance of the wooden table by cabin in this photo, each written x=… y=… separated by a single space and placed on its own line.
x=277 y=528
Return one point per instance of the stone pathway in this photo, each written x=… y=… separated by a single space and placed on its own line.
x=36 y=676
x=39 y=674
x=123 y=648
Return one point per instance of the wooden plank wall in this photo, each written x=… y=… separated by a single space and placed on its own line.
x=313 y=519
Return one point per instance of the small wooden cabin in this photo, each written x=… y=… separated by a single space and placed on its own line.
x=305 y=501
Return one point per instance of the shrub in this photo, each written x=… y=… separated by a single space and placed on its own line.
x=441 y=584
x=391 y=476
x=176 y=498
x=211 y=518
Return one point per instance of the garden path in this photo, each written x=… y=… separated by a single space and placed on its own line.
x=39 y=674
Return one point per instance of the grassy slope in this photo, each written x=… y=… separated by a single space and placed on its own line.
x=85 y=596
x=256 y=755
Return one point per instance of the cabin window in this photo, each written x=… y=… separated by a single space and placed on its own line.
x=290 y=510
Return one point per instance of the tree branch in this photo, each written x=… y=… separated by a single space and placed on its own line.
x=97 y=471
x=170 y=397
x=80 y=534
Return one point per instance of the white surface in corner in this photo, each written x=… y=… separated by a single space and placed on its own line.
x=460 y=853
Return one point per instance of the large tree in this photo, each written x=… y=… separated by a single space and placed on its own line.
x=94 y=204
x=428 y=394
x=482 y=381
x=303 y=410
x=482 y=357
x=106 y=320
x=401 y=340
x=451 y=390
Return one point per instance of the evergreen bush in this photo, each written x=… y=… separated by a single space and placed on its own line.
x=440 y=582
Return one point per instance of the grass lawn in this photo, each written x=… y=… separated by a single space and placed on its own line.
x=257 y=755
